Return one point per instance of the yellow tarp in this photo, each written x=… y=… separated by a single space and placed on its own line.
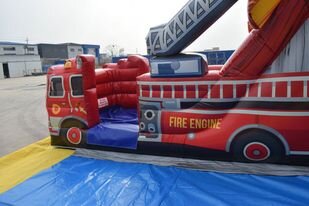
x=28 y=161
x=262 y=10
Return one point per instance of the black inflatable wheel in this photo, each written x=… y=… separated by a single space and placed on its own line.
x=257 y=146
x=73 y=133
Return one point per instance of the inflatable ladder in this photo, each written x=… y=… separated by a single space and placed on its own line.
x=186 y=26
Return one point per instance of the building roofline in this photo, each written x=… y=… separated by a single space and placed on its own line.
x=42 y=44
x=73 y=44
x=15 y=43
x=91 y=46
x=61 y=44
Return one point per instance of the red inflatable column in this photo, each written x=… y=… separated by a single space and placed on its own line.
x=87 y=65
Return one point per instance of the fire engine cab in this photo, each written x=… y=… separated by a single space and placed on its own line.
x=255 y=107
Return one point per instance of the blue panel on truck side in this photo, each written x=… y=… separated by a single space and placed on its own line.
x=183 y=65
x=85 y=181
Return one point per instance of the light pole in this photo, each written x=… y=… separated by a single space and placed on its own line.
x=26 y=53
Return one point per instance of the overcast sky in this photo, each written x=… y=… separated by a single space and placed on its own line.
x=104 y=22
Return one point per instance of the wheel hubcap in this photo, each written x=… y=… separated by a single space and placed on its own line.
x=256 y=151
x=74 y=135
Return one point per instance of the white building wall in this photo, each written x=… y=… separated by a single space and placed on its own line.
x=33 y=67
x=1 y=72
x=32 y=50
x=19 y=50
x=91 y=51
x=73 y=51
x=20 y=65
x=17 y=69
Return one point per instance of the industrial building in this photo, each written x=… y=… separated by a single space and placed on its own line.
x=56 y=53
x=18 y=59
x=92 y=49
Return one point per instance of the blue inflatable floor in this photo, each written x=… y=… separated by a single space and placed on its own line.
x=85 y=181
x=119 y=128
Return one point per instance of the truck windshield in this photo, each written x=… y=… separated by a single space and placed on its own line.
x=76 y=86
x=55 y=87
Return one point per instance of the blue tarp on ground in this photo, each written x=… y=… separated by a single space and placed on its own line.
x=85 y=181
x=119 y=128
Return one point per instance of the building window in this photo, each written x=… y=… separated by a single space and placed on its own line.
x=9 y=49
x=77 y=86
x=55 y=87
x=80 y=50
x=72 y=50
x=30 y=49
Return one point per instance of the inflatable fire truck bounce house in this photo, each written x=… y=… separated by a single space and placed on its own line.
x=254 y=108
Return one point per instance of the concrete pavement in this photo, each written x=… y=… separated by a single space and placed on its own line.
x=23 y=117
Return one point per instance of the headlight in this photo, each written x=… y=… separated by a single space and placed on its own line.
x=151 y=128
x=142 y=126
x=149 y=114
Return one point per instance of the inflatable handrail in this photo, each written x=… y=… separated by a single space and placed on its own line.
x=263 y=45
